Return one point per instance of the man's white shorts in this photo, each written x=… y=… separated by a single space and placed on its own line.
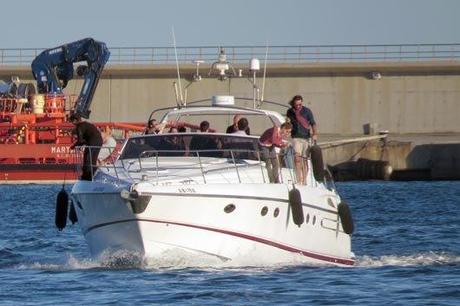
x=301 y=146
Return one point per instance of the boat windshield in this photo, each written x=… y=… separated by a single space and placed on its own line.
x=192 y=144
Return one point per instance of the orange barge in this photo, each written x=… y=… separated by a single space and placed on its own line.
x=35 y=139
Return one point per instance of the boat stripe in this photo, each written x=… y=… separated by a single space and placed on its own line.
x=316 y=256
x=219 y=196
x=232 y=196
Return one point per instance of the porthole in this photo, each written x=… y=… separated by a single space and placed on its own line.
x=276 y=212
x=314 y=220
x=307 y=219
x=229 y=208
x=264 y=211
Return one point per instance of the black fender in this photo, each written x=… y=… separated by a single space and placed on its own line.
x=295 y=202
x=62 y=205
x=72 y=214
x=346 y=219
x=316 y=156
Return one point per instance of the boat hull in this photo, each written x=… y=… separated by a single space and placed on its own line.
x=38 y=173
x=233 y=222
x=37 y=163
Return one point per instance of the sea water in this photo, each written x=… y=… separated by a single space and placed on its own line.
x=406 y=242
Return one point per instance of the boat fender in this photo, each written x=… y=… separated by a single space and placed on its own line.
x=72 y=213
x=317 y=162
x=62 y=203
x=139 y=204
x=346 y=219
x=295 y=202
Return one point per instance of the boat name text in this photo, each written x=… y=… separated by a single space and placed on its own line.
x=186 y=190
x=60 y=149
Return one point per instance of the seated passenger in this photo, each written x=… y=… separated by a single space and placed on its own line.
x=203 y=142
x=234 y=127
x=243 y=126
x=242 y=147
x=173 y=144
x=153 y=127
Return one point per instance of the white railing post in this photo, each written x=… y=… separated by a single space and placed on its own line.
x=201 y=166
x=236 y=168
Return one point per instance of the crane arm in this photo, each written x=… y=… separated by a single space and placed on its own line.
x=53 y=68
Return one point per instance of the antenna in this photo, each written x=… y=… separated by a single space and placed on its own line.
x=177 y=68
x=265 y=72
x=254 y=66
x=197 y=77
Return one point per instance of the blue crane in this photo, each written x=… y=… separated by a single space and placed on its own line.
x=53 y=68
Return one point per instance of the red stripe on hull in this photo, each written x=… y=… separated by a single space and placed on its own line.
x=329 y=259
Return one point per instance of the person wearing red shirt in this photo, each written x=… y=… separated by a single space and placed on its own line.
x=271 y=139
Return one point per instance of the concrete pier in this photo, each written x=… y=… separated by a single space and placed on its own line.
x=411 y=157
x=418 y=103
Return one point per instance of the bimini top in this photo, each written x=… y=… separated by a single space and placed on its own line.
x=176 y=113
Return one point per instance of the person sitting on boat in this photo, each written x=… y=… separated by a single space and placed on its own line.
x=303 y=131
x=153 y=127
x=243 y=126
x=234 y=127
x=108 y=146
x=88 y=135
x=173 y=144
x=204 y=142
x=242 y=148
x=271 y=139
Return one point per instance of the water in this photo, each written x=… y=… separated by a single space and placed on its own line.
x=406 y=242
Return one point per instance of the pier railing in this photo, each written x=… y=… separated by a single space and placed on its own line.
x=275 y=54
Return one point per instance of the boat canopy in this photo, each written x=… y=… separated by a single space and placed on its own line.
x=178 y=114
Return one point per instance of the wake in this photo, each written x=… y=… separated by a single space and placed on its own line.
x=420 y=259
x=180 y=259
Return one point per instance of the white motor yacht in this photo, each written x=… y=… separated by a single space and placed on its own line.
x=215 y=199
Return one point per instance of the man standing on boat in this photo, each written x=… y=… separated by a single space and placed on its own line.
x=108 y=146
x=268 y=142
x=89 y=136
x=303 y=132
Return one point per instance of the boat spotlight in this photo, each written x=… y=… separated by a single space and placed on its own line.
x=221 y=66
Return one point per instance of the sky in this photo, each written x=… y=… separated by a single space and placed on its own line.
x=144 y=23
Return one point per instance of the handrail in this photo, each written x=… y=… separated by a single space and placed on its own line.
x=276 y=54
x=232 y=156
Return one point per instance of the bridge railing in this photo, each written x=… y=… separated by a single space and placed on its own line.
x=276 y=54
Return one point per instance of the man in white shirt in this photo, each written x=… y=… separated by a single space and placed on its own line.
x=108 y=146
x=243 y=126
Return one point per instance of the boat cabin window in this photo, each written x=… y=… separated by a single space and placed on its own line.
x=192 y=144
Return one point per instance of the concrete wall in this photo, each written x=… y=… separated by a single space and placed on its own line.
x=409 y=98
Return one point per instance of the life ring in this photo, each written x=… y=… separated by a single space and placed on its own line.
x=62 y=203
x=346 y=219
x=295 y=202
x=317 y=161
